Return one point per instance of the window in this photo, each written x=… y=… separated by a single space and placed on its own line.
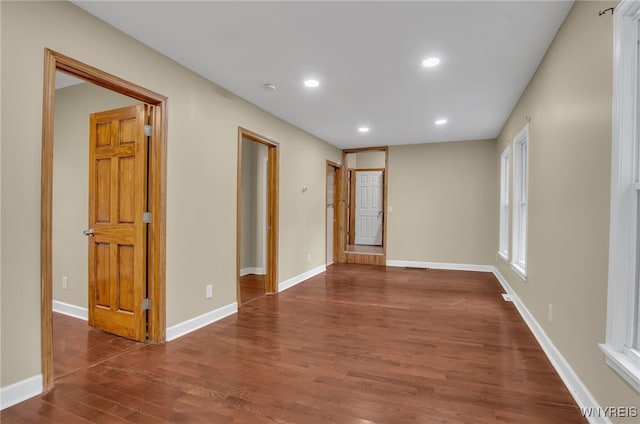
x=503 y=248
x=520 y=193
x=622 y=345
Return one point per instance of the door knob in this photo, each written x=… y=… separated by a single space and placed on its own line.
x=89 y=232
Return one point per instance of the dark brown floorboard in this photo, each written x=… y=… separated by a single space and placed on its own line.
x=251 y=288
x=76 y=345
x=357 y=344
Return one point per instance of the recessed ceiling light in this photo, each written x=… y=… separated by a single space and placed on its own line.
x=431 y=62
x=441 y=121
x=312 y=83
x=363 y=129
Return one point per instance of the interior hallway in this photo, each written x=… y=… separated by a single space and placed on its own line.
x=357 y=343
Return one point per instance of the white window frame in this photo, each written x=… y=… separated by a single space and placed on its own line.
x=503 y=247
x=621 y=347
x=520 y=202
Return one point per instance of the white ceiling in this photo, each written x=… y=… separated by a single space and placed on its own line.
x=366 y=55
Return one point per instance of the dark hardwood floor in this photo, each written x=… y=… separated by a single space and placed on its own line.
x=77 y=346
x=357 y=344
x=251 y=288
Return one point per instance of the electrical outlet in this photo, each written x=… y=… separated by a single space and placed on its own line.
x=308 y=257
x=65 y=283
x=209 y=291
x=550 y=312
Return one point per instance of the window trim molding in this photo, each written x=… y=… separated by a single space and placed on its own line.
x=505 y=169
x=623 y=233
x=518 y=265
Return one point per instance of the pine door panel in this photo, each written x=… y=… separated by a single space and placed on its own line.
x=117 y=201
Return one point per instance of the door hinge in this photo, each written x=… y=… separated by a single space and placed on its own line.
x=146 y=304
x=147 y=130
x=146 y=217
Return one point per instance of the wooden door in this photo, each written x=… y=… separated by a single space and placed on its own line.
x=330 y=215
x=369 y=207
x=117 y=234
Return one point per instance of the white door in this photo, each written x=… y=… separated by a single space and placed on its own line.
x=369 y=207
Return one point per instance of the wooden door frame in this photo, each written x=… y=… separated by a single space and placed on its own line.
x=344 y=257
x=273 y=154
x=351 y=206
x=336 y=168
x=157 y=201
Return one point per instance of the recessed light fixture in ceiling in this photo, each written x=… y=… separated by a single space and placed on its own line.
x=441 y=121
x=363 y=129
x=431 y=62
x=311 y=83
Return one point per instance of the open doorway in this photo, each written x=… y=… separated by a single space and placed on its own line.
x=150 y=313
x=257 y=217
x=84 y=116
x=365 y=195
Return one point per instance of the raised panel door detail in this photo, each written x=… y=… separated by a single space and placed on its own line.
x=117 y=201
x=126 y=189
x=368 y=207
x=125 y=281
x=103 y=275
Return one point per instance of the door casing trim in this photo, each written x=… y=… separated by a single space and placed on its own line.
x=157 y=183
x=343 y=257
x=336 y=168
x=273 y=156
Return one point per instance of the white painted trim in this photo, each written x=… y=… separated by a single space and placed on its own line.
x=194 y=324
x=287 y=284
x=520 y=202
x=519 y=271
x=503 y=256
x=576 y=387
x=504 y=204
x=622 y=364
x=252 y=270
x=439 y=265
x=20 y=391
x=623 y=232
x=71 y=310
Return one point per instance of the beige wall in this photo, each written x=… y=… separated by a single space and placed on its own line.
x=253 y=205
x=201 y=187
x=366 y=160
x=569 y=102
x=71 y=185
x=444 y=202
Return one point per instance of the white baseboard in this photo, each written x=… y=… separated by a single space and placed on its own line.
x=301 y=277
x=576 y=387
x=71 y=310
x=20 y=391
x=252 y=270
x=193 y=324
x=439 y=265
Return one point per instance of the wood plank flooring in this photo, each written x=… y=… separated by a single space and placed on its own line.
x=357 y=344
x=251 y=288
x=77 y=346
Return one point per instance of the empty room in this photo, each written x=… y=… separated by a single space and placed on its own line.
x=320 y=212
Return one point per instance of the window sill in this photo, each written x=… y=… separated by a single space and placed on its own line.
x=520 y=271
x=623 y=365
x=504 y=256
